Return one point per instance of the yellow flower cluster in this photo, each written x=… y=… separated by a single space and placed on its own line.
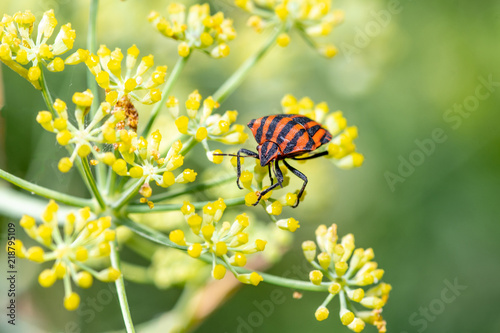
x=202 y=125
x=81 y=239
x=314 y=18
x=148 y=164
x=226 y=241
x=18 y=48
x=143 y=155
x=253 y=181
x=341 y=149
x=82 y=137
x=348 y=270
x=106 y=66
x=196 y=29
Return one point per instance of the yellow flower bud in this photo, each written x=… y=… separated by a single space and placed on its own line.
x=201 y=134
x=47 y=278
x=324 y=260
x=341 y=268
x=218 y=272
x=253 y=278
x=334 y=288
x=183 y=49
x=207 y=231
x=136 y=172
x=83 y=99
x=357 y=325
x=84 y=279
x=220 y=249
x=346 y=317
x=182 y=124
x=72 y=301
x=34 y=73
x=239 y=259
x=35 y=254
x=109 y=158
x=195 y=250
x=60 y=124
x=321 y=313
x=251 y=198
x=275 y=208
x=81 y=254
x=316 y=277
x=27 y=222
x=177 y=237
x=283 y=40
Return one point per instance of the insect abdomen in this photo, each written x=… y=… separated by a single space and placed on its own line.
x=293 y=133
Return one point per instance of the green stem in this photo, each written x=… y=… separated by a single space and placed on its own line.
x=91 y=181
x=46 y=94
x=45 y=192
x=92 y=47
x=290 y=283
x=149 y=233
x=327 y=300
x=162 y=239
x=128 y=195
x=91 y=82
x=188 y=146
x=120 y=288
x=179 y=65
x=144 y=209
x=306 y=37
x=192 y=188
x=110 y=182
x=235 y=80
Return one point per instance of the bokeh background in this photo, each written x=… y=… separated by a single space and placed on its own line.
x=396 y=77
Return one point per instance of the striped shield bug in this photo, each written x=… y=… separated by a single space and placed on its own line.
x=280 y=137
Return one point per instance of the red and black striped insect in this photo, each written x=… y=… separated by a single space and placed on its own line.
x=280 y=137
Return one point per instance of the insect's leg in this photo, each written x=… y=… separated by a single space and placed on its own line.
x=238 y=163
x=279 y=181
x=301 y=176
x=270 y=174
x=323 y=153
x=278 y=174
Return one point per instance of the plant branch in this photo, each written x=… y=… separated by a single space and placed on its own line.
x=192 y=188
x=120 y=288
x=144 y=209
x=92 y=184
x=235 y=80
x=128 y=195
x=162 y=239
x=45 y=192
x=179 y=65
x=92 y=47
x=149 y=233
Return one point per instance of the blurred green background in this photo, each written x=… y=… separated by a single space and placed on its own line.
x=398 y=77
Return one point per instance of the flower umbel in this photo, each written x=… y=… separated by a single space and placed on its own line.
x=82 y=138
x=226 y=241
x=351 y=274
x=341 y=149
x=18 y=48
x=135 y=84
x=149 y=164
x=312 y=18
x=196 y=29
x=203 y=125
x=81 y=240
